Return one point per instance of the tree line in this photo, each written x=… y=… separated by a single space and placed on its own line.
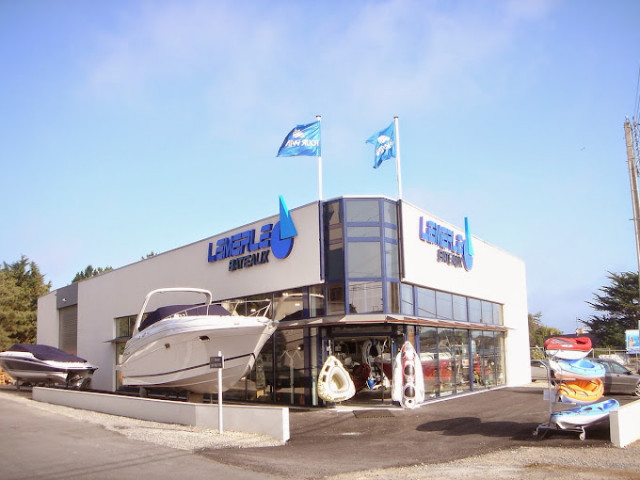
x=22 y=283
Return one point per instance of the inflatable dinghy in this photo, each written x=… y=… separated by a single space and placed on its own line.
x=581 y=392
x=408 y=378
x=334 y=382
x=568 y=348
x=583 y=416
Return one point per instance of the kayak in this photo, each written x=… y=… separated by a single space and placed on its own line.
x=581 y=392
x=582 y=369
x=568 y=348
x=583 y=416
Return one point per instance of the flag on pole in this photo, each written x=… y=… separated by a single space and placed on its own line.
x=385 y=143
x=304 y=140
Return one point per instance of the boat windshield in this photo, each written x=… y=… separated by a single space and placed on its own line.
x=184 y=310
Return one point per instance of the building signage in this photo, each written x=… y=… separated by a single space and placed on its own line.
x=251 y=247
x=454 y=249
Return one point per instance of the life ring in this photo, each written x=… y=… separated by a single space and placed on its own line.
x=334 y=382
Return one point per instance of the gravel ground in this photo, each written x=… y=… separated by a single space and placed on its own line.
x=528 y=463
x=181 y=437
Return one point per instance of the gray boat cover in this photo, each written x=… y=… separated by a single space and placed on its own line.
x=46 y=352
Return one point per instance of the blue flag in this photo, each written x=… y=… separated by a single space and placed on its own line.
x=385 y=143
x=304 y=140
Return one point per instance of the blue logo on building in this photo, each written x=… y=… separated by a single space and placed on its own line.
x=454 y=249
x=249 y=248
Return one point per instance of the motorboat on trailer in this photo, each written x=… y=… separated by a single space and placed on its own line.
x=174 y=346
x=38 y=363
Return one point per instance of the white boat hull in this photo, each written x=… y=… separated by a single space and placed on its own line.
x=176 y=352
x=24 y=367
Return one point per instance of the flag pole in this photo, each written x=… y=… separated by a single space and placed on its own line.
x=398 y=170
x=318 y=118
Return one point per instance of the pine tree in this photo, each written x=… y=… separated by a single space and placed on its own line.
x=619 y=302
x=21 y=283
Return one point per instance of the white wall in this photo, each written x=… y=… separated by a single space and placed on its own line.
x=496 y=276
x=121 y=292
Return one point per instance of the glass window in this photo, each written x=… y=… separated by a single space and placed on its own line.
x=392 y=263
x=335 y=262
x=475 y=310
x=497 y=314
x=390 y=212
x=288 y=305
x=393 y=297
x=371 y=232
x=316 y=301
x=444 y=305
x=446 y=355
x=461 y=360
x=364 y=259
x=290 y=374
x=426 y=302
x=459 y=308
x=332 y=213
x=407 y=299
x=335 y=298
x=430 y=361
x=391 y=233
x=365 y=297
x=363 y=210
x=124 y=326
x=487 y=312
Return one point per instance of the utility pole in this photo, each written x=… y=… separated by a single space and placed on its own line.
x=629 y=131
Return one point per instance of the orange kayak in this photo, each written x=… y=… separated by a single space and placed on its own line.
x=581 y=392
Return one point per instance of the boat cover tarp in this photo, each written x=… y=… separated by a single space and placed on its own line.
x=168 y=310
x=46 y=352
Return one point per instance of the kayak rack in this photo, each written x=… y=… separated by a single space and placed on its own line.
x=551 y=395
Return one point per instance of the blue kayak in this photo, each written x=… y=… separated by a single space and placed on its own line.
x=583 y=416
x=581 y=369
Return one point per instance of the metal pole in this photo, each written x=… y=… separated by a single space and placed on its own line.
x=635 y=200
x=220 y=427
x=398 y=166
x=319 y=118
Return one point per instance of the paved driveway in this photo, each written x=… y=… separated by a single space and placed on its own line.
x=329 y=442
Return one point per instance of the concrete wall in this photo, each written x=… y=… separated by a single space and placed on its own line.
x=625 y=424
x=263 y=420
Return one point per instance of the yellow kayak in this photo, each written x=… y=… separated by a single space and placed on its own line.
x=581 y=392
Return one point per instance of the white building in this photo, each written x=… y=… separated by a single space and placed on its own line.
x=361 y=276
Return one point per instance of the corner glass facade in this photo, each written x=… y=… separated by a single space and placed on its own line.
x=362 y=313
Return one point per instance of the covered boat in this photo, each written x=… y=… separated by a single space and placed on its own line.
x=568 y=348
x=584 y=416
x=46 y=364
x=175 y=346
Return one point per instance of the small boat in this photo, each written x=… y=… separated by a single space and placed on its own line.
x=334 y=382
x=568 y=348
x=581 y=392
x=39 y=363
x=583 y=416
x=175 y=346
x=581 y=369
x=408 y=378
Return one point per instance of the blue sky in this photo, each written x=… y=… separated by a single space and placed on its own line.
x=132 y=126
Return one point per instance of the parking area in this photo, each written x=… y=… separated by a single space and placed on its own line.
x=337 y=441
x=333 y=443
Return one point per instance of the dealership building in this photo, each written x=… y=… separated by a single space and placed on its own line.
x=353 y=277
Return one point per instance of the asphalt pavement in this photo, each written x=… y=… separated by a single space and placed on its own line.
x=38 y=444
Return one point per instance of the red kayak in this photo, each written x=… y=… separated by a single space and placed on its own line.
x=568 y=348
